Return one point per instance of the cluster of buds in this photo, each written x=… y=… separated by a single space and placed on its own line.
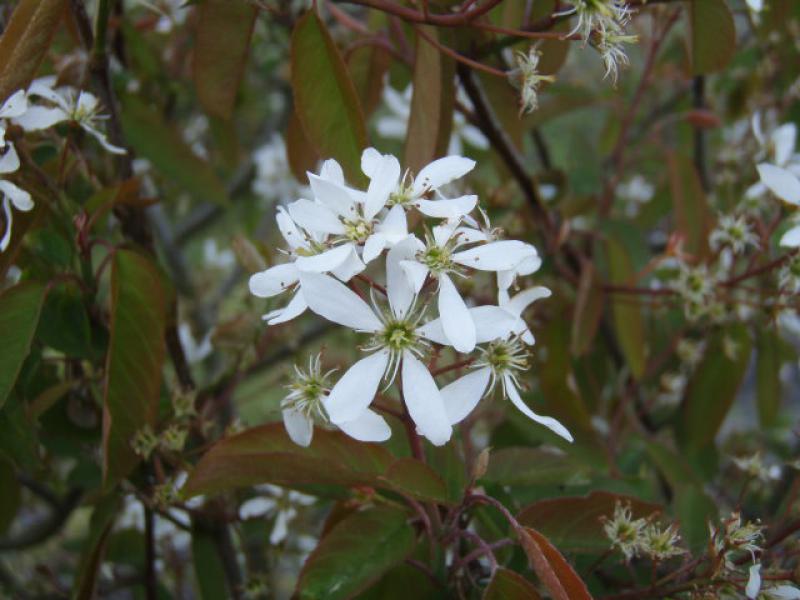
x=171 y=439
x=696 y=286
x=640 y=536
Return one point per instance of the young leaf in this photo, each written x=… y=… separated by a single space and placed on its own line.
x=628 y=322
x=355 y=553
x=508 y=585
x=224 y=28
x=20 y=307
x=25 y=41
x=135 y=359
x=712 y=35
x=325 y=98
x=554 y=571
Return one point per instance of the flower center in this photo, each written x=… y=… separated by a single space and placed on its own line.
x=505 y=356
x=437 y=259
x=402 y=196
x=307 y=389
x=358 y=230
x=398 y=336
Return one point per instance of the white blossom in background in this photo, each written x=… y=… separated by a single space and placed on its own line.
x=64 y=104
x=195 y=351
x=172 y=13
x=635 y=193
x=273 y=179
x=776 y=147
x=786 y=186
x=279 y=503
x=216 y=257
x=344 y=231
x=394 y=124
x=734 y=232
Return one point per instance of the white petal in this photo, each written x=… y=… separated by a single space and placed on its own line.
x=374 y=246
x=333 y=195
x=424 y=402
x=416 y=273
x=443 y=233
x=548 y=422
x=468 y=235
x=369 y=426
x=9 y=162
x=447 y=208
x=296 y=307
x=281 y=527
x=474 y=137
x=385 y=177
x=399 y=103
x=492 y=323
x=40 y=117
x=336 y=302
x=325 y=261
x=394 y=226
x=351 y=267
x=43 y=87
x=332 y=171
x=6 y=239
x=463 y=395
x=758 y=132
x=530 y=265
x=103 y=141
x=398 y=287
x=785 y=592
x=256 y=507
x=356 y=389
x=518 y=303
x=289 y=230
x=392 y=128
x=370 y=160
x=432 y=330
x=19 y=197
x=274 y=280
x=784 y=139
x=15 y=105
x=299 y=427
x=781 y=182
x=315 y=217
x=791 y=239
x=495 y=256
x=456 y=319
x=753 y=581
x=440 y=172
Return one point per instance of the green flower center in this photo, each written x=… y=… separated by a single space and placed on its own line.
x=437 y=259
x=358 y=230
x=398 y=336
x=505 y=356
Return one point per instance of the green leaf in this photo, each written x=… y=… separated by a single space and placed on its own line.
x=694 y=509
x=208 y=568
x=431 y=117
x=713 y=386
x=356 y=552
x=403 y=582
x=588 y=311
x=135 y=359
x=532 y=466
x=265 y=454
x=100 y=527
x=222 y=40
x=628 y=321
x=302 y=156
x=712 y=36
x=25 y=42
x=11 y=496
x=20 y=307
x=64 y=323
x=769 y=359
x=508 y=585
x=553 y=570
x=574 y=523
x=368 y=66
x=692 y=214
x=325 y=98
x=162 y=144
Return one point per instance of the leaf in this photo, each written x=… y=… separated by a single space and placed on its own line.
x=207 y=563
x=588 y=312
x=265 y=454
x=575 y=523
x=161 y=143
x=694 y=509
x=554 y=571
x=431 y=117
x=712 y=36
x=692 y=214
x=356 y=552
x=628 y=321
x=64 y=323
x=508 y=585
x=325 y=98
x=25 y=42
x=301 y=155
x=135 y=358
x=769 y=359
x=222 y=40
x=401 y=583
x=20 y=307
x=368 y=66
x=531 y=466
x=100 y=527
x=11 y=496
x=713 y=386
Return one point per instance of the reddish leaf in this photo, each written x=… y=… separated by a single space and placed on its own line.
x=551 y=567
x=135 y=358
x=508 y=585
x=692 y=214
x=224 y=28
x=588 y=311
x=302 y=156
x=628 y=321
x=368 y=66
x=408 y=475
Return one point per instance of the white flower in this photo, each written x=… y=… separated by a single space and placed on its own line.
x=194 y=351
x=598 y=15
x=281 y=503
x=755 y=5
x=786 y=186
x=214 y=257
x=783 y=592
x=529 y=79
x=440 y=257
x=15 y=106
x=612 y=50
x=68 y=104
x=636 y=192
x=12 y=195
x=272 y=179
x=753 y=582
x=733 y=232
x=395 y=124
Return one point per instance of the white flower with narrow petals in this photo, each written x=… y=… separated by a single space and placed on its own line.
x=12 y=195
x=66 y=105
x=776 y=149
x=281 y=503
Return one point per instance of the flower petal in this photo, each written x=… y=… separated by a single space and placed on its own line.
x=456 y=319
x=441 y=172
x=15 y=105
x=9 y=218
x=274 y=280
x=398 y=287
x=791 y=239
x=394 y=226
x=333 y=195
x=289 y=230
x=370 y=160
x=447 y=208
x=784 y=139
x=374 y=246
x=336 y=302
x=424 y=402
x=492 y=323
x=753 y=581
x=384 y=180
x=495 y=256
x=369 y=426
x=331 y=171
x=315 y=217
x=296 y=307
x=102 y=140
x=781 y=182
x=432 y=330
x=416 y=273
x=9 y=162
x=19 y=197
x=352 y=266
x=356 y=389
x=324 y=261
x=519 y=302
x=299 y=427
x=548 y=422
x=463 y=395
x=41 y=117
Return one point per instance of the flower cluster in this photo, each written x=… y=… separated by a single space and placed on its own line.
x=54 y=105
x=639 y=536
x=344 y=235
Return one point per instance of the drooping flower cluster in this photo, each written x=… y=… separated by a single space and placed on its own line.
x=529 y=79
x=345 y=235
x=639 y=536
